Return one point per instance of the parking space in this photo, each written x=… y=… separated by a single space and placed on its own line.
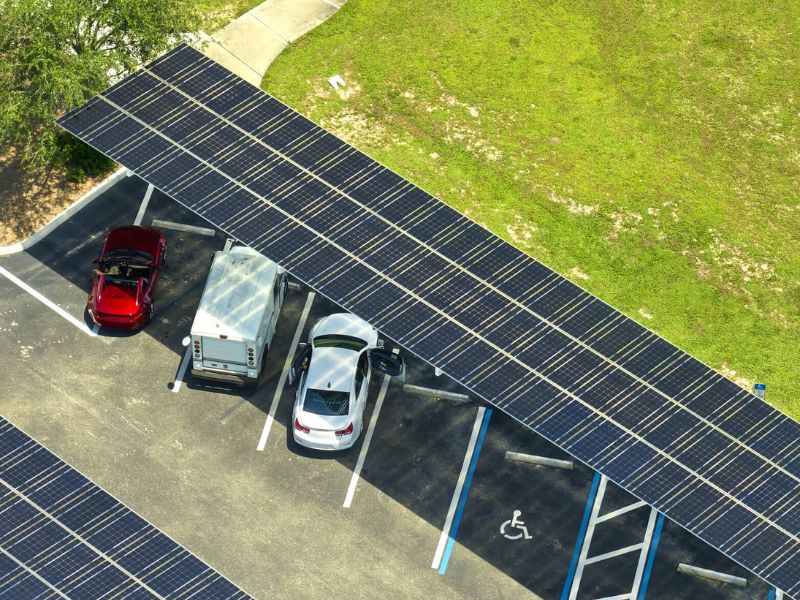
x=677 y=547
x=271 y=515
x=549 y=501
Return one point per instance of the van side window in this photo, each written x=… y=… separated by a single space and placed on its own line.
x=276 y=289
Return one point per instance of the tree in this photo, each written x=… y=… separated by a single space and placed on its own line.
x=55 y=54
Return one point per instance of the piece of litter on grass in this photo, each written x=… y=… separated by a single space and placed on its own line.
x=336 y=81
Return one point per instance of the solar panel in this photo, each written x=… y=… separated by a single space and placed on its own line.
x=62 y=536
x=667 y=428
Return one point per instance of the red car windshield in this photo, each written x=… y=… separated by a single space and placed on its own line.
x=128 y=255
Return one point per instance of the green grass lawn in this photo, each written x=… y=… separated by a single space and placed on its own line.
x=649 y=151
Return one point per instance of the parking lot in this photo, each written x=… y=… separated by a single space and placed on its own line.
x=210 y=466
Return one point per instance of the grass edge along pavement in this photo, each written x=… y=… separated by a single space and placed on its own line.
x=649 y=155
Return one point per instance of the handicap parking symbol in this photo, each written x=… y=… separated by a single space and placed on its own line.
x=515 y=524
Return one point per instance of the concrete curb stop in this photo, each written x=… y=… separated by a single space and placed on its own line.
x=431 y=393
x=714 y=575
x=158 y=223
x=541 y=461
x=65 y=214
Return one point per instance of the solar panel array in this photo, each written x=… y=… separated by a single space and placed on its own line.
x=667 y=428
x=61 y=536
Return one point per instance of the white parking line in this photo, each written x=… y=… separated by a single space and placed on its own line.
x=176 y=385
x=348 y=500
x=621 y=511
x=644 y=556
x=437 y=557
x=587 y=540
x=143 y=207
x=262 y=442
x=49 y=303
x=613 y=553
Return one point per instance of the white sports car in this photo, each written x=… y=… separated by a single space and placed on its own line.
x=334 y=370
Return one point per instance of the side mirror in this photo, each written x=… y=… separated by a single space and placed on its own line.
x=387 y=362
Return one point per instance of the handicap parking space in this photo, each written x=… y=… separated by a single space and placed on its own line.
x=195 y=458
x=549 y=502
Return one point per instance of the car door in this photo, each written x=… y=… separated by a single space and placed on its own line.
x=387 y=362
x=361 y=385
x=158 y=264
x=300 y=364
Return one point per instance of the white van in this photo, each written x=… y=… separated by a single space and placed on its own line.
x=237 y=316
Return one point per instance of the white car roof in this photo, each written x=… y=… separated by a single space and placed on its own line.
x=346 y=324
x=332 y=368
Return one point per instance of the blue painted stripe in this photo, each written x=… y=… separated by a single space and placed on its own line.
x=581 y=535
x=771 y=595
x=462 y=501
x=651 y=557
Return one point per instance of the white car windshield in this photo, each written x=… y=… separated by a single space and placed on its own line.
x=339 y=341
x=326 y=402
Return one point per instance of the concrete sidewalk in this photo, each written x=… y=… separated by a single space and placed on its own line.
x=250 y=43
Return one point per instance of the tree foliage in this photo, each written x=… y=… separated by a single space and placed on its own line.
x=54 y=54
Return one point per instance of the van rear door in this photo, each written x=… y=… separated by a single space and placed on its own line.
x=224 y=354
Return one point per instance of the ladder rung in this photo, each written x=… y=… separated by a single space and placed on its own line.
x=619 y=552
x=621 y=511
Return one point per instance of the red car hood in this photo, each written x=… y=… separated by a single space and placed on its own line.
x=115 y=299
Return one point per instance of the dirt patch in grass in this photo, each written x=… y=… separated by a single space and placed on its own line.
x=27 y=202
x=577 y=273
x=737 y=378
x=353 y=126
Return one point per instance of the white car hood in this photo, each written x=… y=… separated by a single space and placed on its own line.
x=346 y=324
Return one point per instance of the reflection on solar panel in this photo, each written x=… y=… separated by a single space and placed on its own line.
x=703 y=451
x=61 y=536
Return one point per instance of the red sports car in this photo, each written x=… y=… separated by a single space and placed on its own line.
x=125 y=277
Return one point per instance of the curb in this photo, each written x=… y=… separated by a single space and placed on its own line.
x=65 y=214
